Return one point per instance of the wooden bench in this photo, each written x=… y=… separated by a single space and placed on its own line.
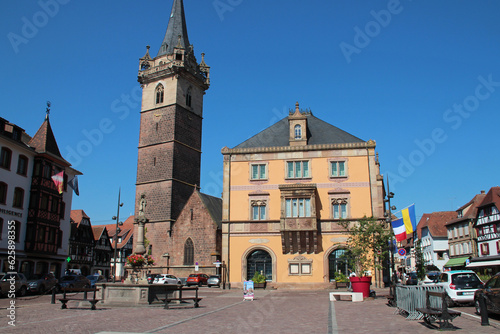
x=442 y=314
x=64 y=300
x=181 y=298
x=355 y=296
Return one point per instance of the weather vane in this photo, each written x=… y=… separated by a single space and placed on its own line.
x=48 y=109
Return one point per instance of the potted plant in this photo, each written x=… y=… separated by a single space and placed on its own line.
x=259 y=280
x=341 y=280
x=136 y=260
x=368 y=243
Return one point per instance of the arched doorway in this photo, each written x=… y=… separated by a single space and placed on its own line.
x=339 y=261
x=260 y=261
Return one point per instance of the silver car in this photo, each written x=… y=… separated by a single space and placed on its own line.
x=13 y=283
x=166 y=279
x=213 y=280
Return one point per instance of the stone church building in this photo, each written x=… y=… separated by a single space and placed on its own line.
x=184 y=225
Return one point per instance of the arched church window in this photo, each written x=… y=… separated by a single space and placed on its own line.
x=159 y=94
x=298 y=132
x=188 y=252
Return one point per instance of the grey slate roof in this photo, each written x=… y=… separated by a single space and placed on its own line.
x=176 y=27
x=214 y=207
x=318 y=132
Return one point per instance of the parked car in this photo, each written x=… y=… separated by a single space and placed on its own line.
x=96 y=279
x=20 y=283
x=460 y=285
x=213 y=280
x=197 y=279
x=412 y=278
x=42 y=283
x=74 y=281
x=430 y=277
x=151 y=278
x=166 y=279
x=491 y=292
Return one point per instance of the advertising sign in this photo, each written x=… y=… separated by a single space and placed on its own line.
x=248 y=290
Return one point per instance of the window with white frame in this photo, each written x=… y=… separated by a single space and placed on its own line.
x=339 y=208
x=460 y=231
x=297 y=207
x=258 y=172
x=338 y=168
x=452 y=251
x=258 y=209
x=450 y=235
x=466 y=230
x=297 y=169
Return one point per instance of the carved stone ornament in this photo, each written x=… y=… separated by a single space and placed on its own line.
x=258 y=202
x=339 y=201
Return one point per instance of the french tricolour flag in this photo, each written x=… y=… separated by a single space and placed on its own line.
x=399 y=229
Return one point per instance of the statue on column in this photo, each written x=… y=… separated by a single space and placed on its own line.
x=141 y=221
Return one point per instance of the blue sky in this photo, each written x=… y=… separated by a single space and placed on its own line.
x=421 y=78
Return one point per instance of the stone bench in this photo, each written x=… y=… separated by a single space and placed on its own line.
x=355 y=296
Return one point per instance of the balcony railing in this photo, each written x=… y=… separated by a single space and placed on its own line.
x=488 y=219
x=45 y=216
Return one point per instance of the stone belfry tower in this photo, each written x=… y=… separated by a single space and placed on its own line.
x=169 y=158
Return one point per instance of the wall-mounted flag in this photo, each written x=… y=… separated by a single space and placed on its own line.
x=409 y=219
x=59 y=181
x=73 y=183
x=399 y=229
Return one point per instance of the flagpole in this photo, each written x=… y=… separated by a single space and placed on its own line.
x=388 y=219
x=117 y=231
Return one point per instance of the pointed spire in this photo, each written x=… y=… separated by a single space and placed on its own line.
x=44 y=140
x=176 y=27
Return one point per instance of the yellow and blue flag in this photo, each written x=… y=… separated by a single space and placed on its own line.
x=409 y=219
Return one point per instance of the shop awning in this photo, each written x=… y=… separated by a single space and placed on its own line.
x=484 y=263
x=456 y=262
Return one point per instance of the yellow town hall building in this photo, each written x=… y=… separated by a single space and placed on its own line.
x=284 y=192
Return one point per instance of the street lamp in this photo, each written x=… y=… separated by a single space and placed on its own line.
x=117 y=231
x=388 y=219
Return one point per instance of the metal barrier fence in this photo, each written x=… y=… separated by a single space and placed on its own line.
x=409 y=297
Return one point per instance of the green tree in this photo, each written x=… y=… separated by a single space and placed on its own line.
x=419 y=261
x=367 y=237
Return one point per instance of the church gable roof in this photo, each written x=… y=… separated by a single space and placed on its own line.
x=318 y=132
x=213 y=206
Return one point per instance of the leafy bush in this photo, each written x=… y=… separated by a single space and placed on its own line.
x=339 y=277
x=258 y=278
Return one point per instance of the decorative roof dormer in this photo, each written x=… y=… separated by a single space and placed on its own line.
x=297 y=121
